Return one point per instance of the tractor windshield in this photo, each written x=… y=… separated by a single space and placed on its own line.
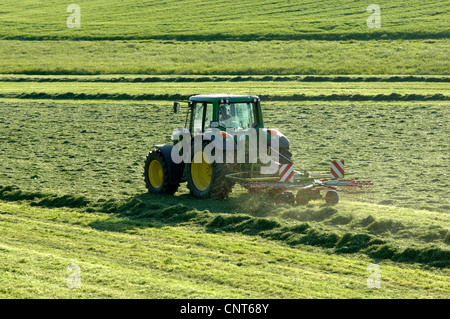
x=239 y=116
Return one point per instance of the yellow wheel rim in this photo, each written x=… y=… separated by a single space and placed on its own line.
x=155 y=173
x=201 y=171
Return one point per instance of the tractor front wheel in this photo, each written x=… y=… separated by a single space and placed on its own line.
x=206 y=178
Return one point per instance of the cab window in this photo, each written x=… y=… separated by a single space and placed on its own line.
x=202 y=115
x=240 y=116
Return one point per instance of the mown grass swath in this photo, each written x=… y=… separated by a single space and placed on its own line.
x=120 y=257
x=279 y=88
x=401 y=239
x=127 y=78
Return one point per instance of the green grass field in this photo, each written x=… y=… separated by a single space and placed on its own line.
x=89 y=155
x=81 y=108
x=420 y=57
x=119 y=258
x=249 y=19
x=217 y=37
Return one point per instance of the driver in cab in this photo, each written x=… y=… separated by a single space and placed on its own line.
x=225 y=118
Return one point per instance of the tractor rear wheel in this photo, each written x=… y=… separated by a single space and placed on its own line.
x=206 y=178
x=156 y=174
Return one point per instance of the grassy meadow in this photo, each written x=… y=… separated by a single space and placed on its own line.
x=81 y=108
x=224 y=37
x=287 y=57
x=141 y=258
x=211 y=20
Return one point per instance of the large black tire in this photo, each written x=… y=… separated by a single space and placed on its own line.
x=219 y=186
x=157 y=177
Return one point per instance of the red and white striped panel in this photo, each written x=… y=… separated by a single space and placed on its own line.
x=337 y=169
x=286 y=172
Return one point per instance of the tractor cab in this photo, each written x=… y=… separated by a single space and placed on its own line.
x=238 y=112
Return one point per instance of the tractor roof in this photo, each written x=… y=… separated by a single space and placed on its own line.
x=218 y=97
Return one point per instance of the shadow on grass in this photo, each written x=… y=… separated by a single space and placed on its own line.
x=14 y=193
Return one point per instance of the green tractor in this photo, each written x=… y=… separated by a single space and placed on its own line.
x=206 y=177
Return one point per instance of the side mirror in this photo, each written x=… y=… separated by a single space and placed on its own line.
x=176 y=107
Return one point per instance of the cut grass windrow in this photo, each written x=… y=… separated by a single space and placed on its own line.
x=308 y=228
x=262 y=78
x=164 y=97
x=344 y=36
x=122 y=258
